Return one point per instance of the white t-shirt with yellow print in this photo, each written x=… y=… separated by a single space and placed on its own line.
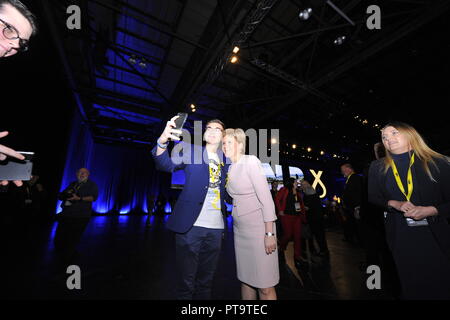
x=211 y=215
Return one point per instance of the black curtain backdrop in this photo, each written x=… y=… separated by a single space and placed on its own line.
x=126 y=177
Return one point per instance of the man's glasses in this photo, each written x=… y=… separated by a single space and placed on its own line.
x=213 y=129
x=11 y=33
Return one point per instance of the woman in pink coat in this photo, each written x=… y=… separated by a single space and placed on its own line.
x=253 y=220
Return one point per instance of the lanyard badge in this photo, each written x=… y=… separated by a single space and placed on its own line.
x=408 y=179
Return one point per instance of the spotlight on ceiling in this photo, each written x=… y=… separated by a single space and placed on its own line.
x=234 y=59
x=132 y=59
x=143 y=63
x=339 y=40
x=236 y=50
x=305 y=14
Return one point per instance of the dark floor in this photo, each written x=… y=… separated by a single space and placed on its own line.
x=122 y=258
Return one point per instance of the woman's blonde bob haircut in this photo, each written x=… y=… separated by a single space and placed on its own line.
x=417 y=144
x=237 y=134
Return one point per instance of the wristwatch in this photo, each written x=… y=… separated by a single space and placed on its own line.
x=270 y=234
x=162 y=146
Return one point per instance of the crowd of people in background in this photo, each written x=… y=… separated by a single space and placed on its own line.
x=398 y=210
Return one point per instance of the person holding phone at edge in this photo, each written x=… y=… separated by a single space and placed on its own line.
x=199 y=215
x=8 y=152
x=17 y=25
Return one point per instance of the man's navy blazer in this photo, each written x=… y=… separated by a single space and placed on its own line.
x=190 y=201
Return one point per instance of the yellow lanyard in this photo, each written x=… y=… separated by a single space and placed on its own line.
x=348 y=178
x=409 y=178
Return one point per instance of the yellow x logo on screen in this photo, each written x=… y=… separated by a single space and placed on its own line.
x=318 y=181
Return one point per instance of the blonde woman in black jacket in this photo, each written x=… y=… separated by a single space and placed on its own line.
x=412 y=184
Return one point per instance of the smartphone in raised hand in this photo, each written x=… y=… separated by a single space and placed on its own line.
x=180 y=121
x=13 y=169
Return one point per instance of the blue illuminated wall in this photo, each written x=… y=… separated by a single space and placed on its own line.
x=125 y=176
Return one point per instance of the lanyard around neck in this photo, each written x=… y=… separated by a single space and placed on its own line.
x=409 y=178
x=348 y=178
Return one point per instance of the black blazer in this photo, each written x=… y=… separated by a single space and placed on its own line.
x=352 y=195
x=430 y=193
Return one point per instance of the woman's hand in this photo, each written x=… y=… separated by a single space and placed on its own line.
x=397 y=205
x=419 y=213
x=270 y=243
x=411 y=211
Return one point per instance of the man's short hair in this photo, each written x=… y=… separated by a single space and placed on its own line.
x=216 y=121
x=347 y=165
x=23 y=10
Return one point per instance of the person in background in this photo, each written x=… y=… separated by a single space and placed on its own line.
x=77 y=201
x=374 y=236
x=352 y=199
x=34 y=196
x=291 y=210
x=412 y=186
x=314 y=216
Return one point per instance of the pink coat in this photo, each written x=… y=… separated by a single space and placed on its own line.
x=252 y=207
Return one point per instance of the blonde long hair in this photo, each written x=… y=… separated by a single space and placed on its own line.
x=416 y=143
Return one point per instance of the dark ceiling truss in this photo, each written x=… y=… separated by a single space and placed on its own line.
x=141 y=38
x=144 y=77
x=352 y=59
x=300 y=69
x=173 y=27
x=140 y=106
x=296 y=50
x=119 y=10
x=188 y=87
x=127 y=84
x=254 y=20
x=126 y=50
x=130 y=71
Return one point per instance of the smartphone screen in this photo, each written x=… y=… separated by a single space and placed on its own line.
x=14 y=169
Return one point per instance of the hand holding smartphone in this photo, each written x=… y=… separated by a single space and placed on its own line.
x=173 y=128
x=179 y=122
x=12 y=169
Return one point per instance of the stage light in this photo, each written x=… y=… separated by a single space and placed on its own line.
x=236 y=50
x=274 y=141
x=309 y=149
x=339 y=40
x=322 y=153
x=132 y=59
x=194 y=110
x=305 y=14
x=365 y=122
x=143 y=63
x=234 y=59
x=294 y=146
x=193 y=106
